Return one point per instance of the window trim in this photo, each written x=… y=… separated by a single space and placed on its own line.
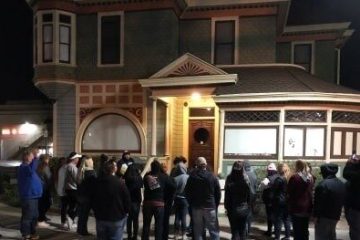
x=56 y=35
x=236 y=35
x=122 y=25
x=304 y=128
x=67 y=44
x=273 y=156
x=43 y=43
x=343 y=131
x=312 y=43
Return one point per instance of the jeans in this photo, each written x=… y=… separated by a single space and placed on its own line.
x=133 y=220
x=181 y=209
x=158 y=213
x=106 y=230
x=269 y=210
x=83 y=210
x=44 y=205
x=29 y=216
x=72 y=203
x=166 y=220
x=301 y=227
x=325 y=229
x=202 y=218
x=353 y=219
x=238 y=226
x=280 y=216
x=63 y=207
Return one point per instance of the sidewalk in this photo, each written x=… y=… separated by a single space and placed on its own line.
x=10 y=218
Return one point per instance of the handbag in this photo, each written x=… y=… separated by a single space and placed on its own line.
x=242 y=210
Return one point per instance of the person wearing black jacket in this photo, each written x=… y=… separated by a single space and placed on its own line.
x=328 y=202
x=279 y=201
x=253 y=186
x=237 y=200
x=352 y=205
x=111 y=203
x=203 y=194
x=157 y=186
x=134 y=184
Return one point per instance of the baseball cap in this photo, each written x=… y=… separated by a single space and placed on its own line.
x=74 y=155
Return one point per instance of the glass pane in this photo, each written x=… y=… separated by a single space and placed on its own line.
x=48 y=17
x=225 y=32
x=224 y=54
x=302 y=53
x=337 y=143
x=65 y=18
x=111 y=132
x=110 y=40
x=64 y=53
x=293 y=142
x=48 y=52
x=348 y=143
x=64 y=34
x=358 y=142
x=315 y=138
x=250 y=141
x=47 y=33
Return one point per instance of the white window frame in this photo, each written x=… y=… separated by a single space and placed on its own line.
x=56 y=36
x=100 y=15
x=312 y=43
x=236 y=47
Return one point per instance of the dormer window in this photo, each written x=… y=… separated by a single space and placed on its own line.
x=54 y=37
x=302 y=54
x=224 y=45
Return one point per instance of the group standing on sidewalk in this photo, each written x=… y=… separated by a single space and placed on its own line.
x=114 y=193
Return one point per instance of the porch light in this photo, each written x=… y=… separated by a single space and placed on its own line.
x=195 y=96
x=27 y=128
x=5 y=131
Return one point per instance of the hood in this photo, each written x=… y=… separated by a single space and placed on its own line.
x=201 y=174
x=329 y=169
x=247 y=166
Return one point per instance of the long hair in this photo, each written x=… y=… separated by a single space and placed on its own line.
x=284 y=170
x=155 y=167
x=238 y=173
x=43 y=162
x=300 y=166
x=85 y=164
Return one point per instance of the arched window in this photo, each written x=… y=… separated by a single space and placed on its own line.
x=111 y=133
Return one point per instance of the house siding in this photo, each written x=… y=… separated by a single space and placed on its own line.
x=325 y=60
x=257 y=37
x=283 y=53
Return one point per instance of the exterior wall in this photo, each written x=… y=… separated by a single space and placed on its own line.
x=64 y=124
x=325 y=60
x=283 y=53
x=178 y=128
x=257 y=40
x=142 y=30
x=195 y=38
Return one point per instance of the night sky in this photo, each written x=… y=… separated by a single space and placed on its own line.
x=16 y=42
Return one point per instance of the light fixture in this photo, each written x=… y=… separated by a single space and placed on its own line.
x=27 y=128
x=195 y=96
x=5 y=131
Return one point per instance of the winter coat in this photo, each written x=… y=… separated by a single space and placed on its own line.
x=180 y=181
x=134 y=185
x=29 y=183
x=236 y=193
x=300 y=191
x=158 y=188
x=203 y=189
x=279 y=189
x=352 y=174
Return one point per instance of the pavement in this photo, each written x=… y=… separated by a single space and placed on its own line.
x=10 y=218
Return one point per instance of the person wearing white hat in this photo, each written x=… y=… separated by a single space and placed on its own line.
x=71 y=188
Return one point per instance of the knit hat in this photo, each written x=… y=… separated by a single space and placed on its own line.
x=329 y=169
x=271 y=167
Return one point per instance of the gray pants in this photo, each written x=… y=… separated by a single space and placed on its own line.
x=353 y=219
x=205 y=218
x=325 y=229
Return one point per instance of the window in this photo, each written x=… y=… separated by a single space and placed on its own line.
x=111 y=133
x=57 y=37
x=304 y=142
x=251 y=116
x=47 y=36
x=224 y=41
x=64 y=38
x=305 y=116
x=110 y=38
x=250 y=142
x=346 y=117
x=303 y=55
x=344 y=141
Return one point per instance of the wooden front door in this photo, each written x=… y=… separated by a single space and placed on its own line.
x=201 y=141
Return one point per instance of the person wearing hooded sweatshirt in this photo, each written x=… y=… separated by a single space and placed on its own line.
x=267 y=195
x=352 y=205
x=125 y=161
x=204 y=205
x=300 y=196
x=181 y=205
x=30 y=190
x=253 y=186
x=328 y=202
x=237 y=200
x=157 y=186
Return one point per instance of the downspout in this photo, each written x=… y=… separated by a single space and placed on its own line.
x=338 y=53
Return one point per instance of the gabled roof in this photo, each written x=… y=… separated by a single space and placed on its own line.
x=281 y=83
x=188 y=70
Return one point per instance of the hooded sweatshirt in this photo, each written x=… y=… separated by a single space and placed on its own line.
x=352 y=174
x=180 y=181
x=29 y=183
x=300 y=188
x=203 y=189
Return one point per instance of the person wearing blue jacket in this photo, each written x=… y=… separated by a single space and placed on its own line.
x=30 y=190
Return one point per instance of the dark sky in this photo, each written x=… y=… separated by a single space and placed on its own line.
x=16 y=42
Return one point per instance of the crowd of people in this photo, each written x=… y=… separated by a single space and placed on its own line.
x=116 y=192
